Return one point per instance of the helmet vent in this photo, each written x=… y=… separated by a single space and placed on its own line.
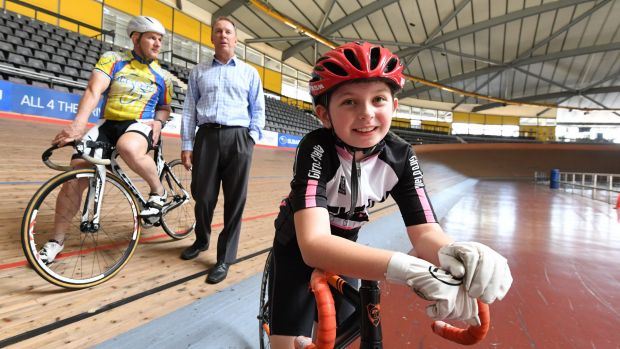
x=352 y=59
x=375 y=55
x=335 y=69
x=391 y=65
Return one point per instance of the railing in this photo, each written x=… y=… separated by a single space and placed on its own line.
x=599 y=186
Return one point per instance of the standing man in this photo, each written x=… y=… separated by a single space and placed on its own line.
x=225 y=100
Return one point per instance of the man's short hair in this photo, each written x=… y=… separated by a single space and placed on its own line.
x=227 y=19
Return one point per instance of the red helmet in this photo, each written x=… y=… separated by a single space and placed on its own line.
x=355 y=60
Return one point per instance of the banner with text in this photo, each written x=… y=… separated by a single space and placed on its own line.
x=25 y=99
x=288 y=141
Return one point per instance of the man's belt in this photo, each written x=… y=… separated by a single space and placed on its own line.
x=214 y=125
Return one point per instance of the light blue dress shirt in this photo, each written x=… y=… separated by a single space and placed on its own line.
x=229 y=94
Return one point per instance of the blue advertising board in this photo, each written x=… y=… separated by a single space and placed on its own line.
x=26 y=99
x=288 y=141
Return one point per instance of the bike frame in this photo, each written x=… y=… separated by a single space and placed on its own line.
x=365 y=322
x=97 y=185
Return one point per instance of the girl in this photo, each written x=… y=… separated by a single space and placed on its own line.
x=343 y=169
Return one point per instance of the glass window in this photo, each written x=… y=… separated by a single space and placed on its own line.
x=303 y=91
x=303 y=77
x=116 y=21
x=185 y=51
x=272 y=64
x=289 y=87
x=240 y=50
x=253 y=56
x=206 y=54
x=403 y=111
x=286 y=70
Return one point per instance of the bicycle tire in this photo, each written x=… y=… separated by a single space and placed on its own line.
x=88 y=258
x=180 y=221
x=263 y=310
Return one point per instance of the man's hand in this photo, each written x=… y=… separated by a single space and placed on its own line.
x=433 y=284
x=69 y=134
x=186 y=159
x=485 y=273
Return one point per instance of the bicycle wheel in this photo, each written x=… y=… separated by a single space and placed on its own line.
x=263 y=310
x=178 y=220
x=88 y=258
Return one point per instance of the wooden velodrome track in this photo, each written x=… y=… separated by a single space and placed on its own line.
x=567 y=277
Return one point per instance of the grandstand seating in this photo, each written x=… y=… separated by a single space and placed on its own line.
x=285 y=118
x=419 y=137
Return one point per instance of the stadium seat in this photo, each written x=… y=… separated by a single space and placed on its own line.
x=17 y=59
x=6 y=30
x=36 y=63
x=59 y=59
x=15 y=40
x=22 y=34
x=42 y=55
x=6 y=47
x=47 y=48
x=34 y=44
x=18 y=80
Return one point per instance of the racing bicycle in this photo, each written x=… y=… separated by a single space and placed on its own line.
x=364 y=323
x=105 y=230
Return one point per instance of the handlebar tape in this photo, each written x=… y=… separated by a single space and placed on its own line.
x=465 y=336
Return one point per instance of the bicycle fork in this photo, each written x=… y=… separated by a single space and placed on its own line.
x=93 y=202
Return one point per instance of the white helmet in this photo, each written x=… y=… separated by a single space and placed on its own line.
x=143 y=24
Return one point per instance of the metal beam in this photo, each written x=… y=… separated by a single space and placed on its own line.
x=545 y=41
x=339 y=24
x=276 y=39
x=229 y=8
x=565 y=95
x=378 y=42
x=329 y=10
x=530 y=11
x=522 y=62
x=439 y=28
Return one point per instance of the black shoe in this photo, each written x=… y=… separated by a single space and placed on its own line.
x=192 y=252
x=217 y=273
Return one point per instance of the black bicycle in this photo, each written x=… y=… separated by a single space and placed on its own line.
x=364 y=323
x=103 y=234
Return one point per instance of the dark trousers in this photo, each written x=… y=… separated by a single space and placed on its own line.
x=221 y=155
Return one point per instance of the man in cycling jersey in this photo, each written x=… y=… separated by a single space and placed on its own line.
x=343 y=169
x=137 y=94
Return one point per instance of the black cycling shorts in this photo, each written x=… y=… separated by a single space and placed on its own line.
x=110 y=131
x=293 y=307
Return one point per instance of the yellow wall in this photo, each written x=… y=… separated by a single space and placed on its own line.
x=131 y=7
x=484 y=119
x=401 y=122
x=272 y=81
x=186 y=26
x=205 y=35
x=162 y=12
x=542 y=133
x=86 y=11
x=51 y=5
x=261 y=71
x=436 y=126
x=19 y=9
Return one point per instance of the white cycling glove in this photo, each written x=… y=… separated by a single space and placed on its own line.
x=434 y=284
x=485 y=273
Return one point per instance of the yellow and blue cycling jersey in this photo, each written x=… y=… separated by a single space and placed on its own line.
x=137 y=88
